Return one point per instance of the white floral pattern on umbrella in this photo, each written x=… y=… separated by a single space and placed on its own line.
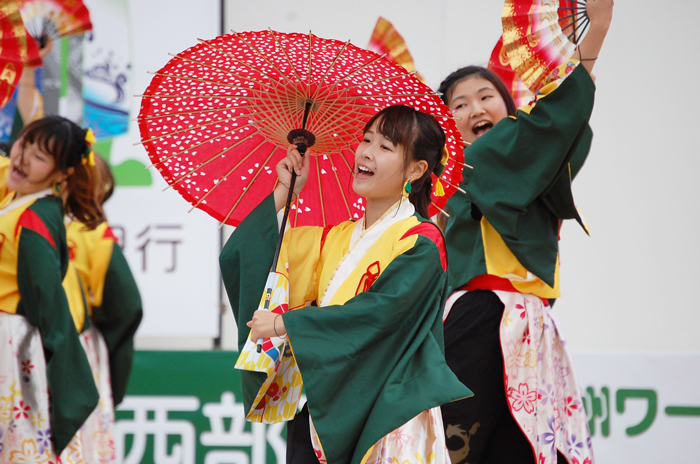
x=215 y=121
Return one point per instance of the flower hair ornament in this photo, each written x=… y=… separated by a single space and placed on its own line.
x=88 y=157
x=439 y=169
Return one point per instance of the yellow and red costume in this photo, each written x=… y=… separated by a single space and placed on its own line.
x=501 y=336
x=366 y=333
x=43 y=366
x=106 y=308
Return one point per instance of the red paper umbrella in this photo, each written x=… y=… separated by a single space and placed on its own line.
x=387 y=40
x=539 y=35
x=50 y=19
x=220 y=115
x=16 y=49
x=499 y=63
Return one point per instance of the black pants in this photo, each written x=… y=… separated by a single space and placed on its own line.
x=481 y=429
x=300 y=450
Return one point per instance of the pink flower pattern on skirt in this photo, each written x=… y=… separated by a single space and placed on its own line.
x=522 y=398
x=25 y=434
x=541 y=387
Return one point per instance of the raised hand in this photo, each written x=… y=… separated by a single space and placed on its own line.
x=600 y=14
x=293 y=162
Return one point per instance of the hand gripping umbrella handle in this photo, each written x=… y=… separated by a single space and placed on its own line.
x=302 y=150
x=303 y=139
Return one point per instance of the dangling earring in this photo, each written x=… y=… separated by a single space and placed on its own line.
x=407 y=188
x=57 y=189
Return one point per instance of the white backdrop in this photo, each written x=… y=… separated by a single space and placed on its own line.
x=627 y=289
x=173 y=255
x=630 y=286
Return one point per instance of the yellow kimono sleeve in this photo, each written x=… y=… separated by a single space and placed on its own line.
x=101 y=244
x=299 y=261
x=5 y=195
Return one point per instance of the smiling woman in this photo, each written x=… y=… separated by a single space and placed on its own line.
x=397 y=160
x=367 y=296
x=47 y=373
x=32 y=170
x=502 y=239
x=472 y=93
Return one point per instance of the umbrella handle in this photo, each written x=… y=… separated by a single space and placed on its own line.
x=302 y=151
x=266 y=306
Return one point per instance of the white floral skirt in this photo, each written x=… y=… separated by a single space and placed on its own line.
x=420 y=440
x=543 y=393
x=25 y=433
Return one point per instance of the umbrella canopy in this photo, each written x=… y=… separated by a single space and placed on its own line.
x=16 y=49
x=215 y=121
x=50 y=19
x=540 y=35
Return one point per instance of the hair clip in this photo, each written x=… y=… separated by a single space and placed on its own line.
x=89 y=155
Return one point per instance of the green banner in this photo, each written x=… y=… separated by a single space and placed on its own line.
x=185 y=408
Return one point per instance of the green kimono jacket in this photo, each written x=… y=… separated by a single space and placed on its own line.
x=521 y=185
x=370 y=362
x=105 y=293
x=32 y=271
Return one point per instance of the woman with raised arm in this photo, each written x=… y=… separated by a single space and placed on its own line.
x=501 y=338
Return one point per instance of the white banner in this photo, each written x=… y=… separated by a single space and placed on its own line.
x=174 y=258
x=642 y=408
x=173 y=255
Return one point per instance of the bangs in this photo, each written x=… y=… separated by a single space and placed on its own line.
x=52 y=139
x=44 y=140
x=396 y=123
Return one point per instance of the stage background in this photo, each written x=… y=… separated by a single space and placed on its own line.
x=628 y=306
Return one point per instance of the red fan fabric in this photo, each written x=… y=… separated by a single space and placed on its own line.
x=533 y=39
x=499 y=63
x=69 y=17
x=16 y=49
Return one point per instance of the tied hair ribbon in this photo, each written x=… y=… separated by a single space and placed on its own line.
x=88 y=157
x=439 y=168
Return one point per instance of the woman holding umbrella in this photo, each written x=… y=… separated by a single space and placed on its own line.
x=366 y=332
x=502 y=239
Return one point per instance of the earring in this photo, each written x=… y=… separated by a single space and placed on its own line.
x=407 y=188
x=57 y=189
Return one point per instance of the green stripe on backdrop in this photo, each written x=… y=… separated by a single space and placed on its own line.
x=65 y=58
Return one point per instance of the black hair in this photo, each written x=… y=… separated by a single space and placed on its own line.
x=5 y=149
x=65 y=141
x=447 y=86
x=421 y=137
